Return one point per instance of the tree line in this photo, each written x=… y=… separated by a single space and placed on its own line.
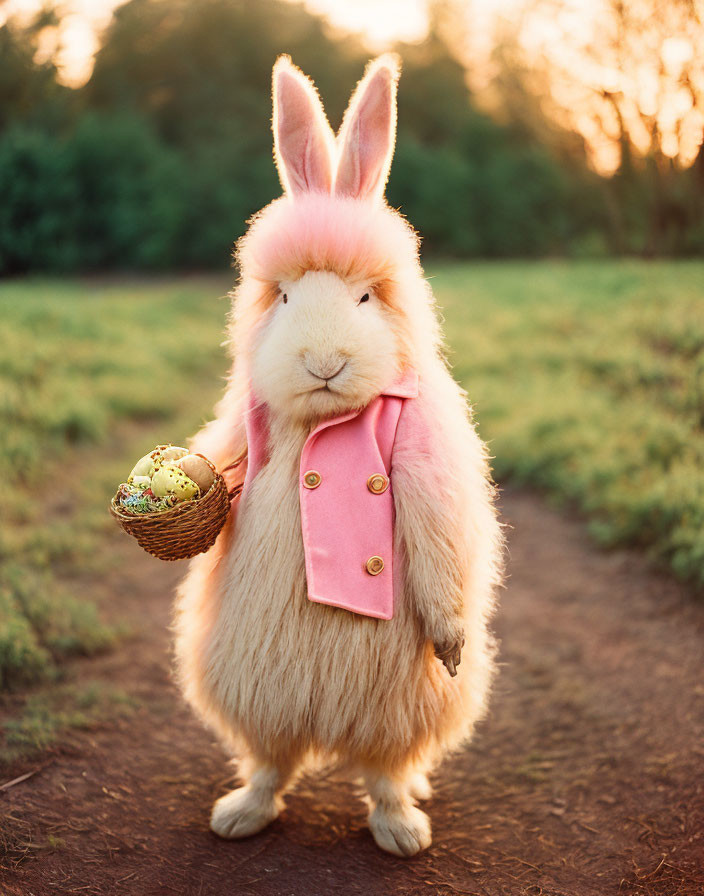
x=161 y=157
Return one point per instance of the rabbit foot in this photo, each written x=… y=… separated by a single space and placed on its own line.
x=243 y=812
x=401 y=830
x=419 y=786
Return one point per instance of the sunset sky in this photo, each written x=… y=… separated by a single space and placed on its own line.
x=567 y=40
x=380 y=21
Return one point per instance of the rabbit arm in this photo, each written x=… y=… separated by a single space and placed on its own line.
x=445 y=521
x=428 y=530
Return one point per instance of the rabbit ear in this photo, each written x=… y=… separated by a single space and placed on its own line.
x=303 y=139
x=368 y=131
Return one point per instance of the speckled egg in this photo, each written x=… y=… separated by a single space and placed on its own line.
x=171 y=480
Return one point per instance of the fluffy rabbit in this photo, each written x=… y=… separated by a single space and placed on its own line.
x=339 y=639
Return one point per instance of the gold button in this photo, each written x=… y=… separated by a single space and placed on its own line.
x=374 y=566
x=377 y=483
x=312 y=479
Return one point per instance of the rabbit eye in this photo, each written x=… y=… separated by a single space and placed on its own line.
x=285 y=298
x=365 y=298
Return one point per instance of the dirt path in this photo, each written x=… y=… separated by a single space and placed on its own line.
x=588 y=777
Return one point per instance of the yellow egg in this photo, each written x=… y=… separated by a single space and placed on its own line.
x=171 y=480
x=143 y=467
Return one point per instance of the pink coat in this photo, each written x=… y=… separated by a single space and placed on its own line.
x=347 y=508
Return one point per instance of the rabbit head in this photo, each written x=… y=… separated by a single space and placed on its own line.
x=332 y=304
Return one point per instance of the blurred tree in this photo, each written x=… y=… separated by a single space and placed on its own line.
x=201 y=73
x=164 y=154
x=29 y=91
x=36 y=203
x=105 y=197
x=127 y=208
x=473 y=186
x=624 y=93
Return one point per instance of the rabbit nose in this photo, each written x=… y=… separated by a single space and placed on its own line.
x=324 y=368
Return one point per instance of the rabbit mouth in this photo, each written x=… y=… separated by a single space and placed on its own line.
x=324 y=382
x=324 y=388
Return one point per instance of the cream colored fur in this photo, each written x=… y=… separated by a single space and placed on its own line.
x=287 y=683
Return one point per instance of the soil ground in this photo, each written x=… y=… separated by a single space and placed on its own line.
x=587 y=777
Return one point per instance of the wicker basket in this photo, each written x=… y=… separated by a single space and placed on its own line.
x=184 y=530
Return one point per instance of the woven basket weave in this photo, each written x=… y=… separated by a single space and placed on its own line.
x=184 y=530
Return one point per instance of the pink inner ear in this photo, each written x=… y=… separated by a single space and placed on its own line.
x=368 y=138
x=302 y=135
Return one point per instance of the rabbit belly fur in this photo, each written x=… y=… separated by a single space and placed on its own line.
x=281 y=676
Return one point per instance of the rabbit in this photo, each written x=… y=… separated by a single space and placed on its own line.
x=291 y=643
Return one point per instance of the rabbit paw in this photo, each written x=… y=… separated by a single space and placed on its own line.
x=449 y=650
x=403 y=830
x=243 y=812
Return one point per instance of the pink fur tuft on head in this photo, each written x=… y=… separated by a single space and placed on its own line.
x=356 y=240
x=303 y=139
x=368 y=133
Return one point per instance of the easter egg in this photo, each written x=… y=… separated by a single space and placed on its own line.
x=198 y=469
x=143 y=467
x=172 y=453
x=141 y=481
x=171 y=480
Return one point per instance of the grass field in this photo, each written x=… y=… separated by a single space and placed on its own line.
x=587 y=379
x=91 y=377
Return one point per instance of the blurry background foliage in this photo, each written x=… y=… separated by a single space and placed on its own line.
x=160 y=158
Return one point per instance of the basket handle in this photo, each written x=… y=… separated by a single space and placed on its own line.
x=237 y=489
x=237 y=461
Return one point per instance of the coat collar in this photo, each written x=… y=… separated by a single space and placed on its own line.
x=257 y=424
x=405 y=386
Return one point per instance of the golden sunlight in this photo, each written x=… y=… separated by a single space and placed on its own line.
x=76 y=38
x=621 y=75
